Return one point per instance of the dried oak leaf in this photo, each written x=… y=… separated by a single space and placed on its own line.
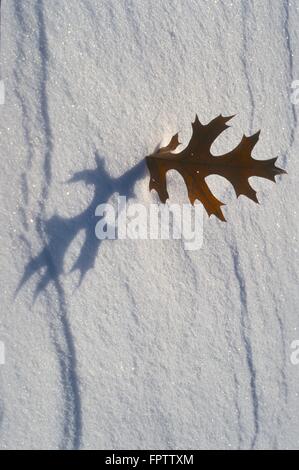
x=196 y=162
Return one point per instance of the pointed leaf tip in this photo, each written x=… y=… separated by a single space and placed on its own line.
x=228 y=118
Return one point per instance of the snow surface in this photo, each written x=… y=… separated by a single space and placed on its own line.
x=157 y=347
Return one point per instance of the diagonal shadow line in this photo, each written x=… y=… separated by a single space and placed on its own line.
x=60 y=232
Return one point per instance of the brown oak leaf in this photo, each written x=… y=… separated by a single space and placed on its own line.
x=196 y=162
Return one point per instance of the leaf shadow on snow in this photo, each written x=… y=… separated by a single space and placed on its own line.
x=59 y=232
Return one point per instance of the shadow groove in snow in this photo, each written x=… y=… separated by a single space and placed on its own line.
x=246 y=11
x=64 y=344
x=247 y=345
x=60 y=329
x=290 y=71
x=44 y=55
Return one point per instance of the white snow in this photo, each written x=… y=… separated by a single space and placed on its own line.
x=158 y=347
